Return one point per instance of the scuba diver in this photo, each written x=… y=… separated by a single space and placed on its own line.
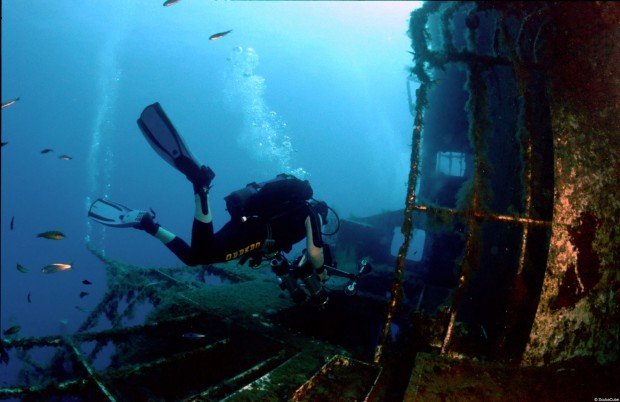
x=266 y=218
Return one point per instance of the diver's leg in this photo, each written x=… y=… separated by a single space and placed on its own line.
x=180 y=248
x=174 y=243
x=232 y=241
x=202 y=229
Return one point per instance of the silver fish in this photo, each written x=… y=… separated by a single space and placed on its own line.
x=9 y=103
x=53 y=268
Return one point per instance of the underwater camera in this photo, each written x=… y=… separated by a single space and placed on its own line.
x=289 y=276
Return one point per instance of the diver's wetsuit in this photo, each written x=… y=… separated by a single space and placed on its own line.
x=237 y=239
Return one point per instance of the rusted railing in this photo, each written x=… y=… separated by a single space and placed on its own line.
x=476 y=209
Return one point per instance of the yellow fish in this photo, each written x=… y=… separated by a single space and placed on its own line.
x=52 y=235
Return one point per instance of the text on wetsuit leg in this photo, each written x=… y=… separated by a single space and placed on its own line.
x=239 y=253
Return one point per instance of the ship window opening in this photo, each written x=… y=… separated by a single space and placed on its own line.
x=451 y=163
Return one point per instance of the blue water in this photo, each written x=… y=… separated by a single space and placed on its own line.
x=315 y=89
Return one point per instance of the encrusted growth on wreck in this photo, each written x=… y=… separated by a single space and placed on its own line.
x=419 y=70
x=579 y=311
x=573 y=124
x=476 y=194
x=206 y=339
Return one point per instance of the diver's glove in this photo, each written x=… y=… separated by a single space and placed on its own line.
x=148 y=224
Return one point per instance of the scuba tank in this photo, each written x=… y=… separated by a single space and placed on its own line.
x=268 y=199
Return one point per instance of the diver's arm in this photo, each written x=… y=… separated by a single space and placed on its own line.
x=314 y=243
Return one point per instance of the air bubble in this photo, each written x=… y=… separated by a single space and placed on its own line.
x=265 y=134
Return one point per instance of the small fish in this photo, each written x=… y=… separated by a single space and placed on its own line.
x=21 y=268
x=46 y=150
x=169 y=3
x=87 y=282
x=4 y=143
x=29 y=298
x=193 y=335
x=64 y=322
x=82 y=309
x=12 y=330
x=219 y=35
x=12 y=225
x=65 y=157
x=82 y=294
x=9 y=103
x=53 y=268
x=52 y=235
